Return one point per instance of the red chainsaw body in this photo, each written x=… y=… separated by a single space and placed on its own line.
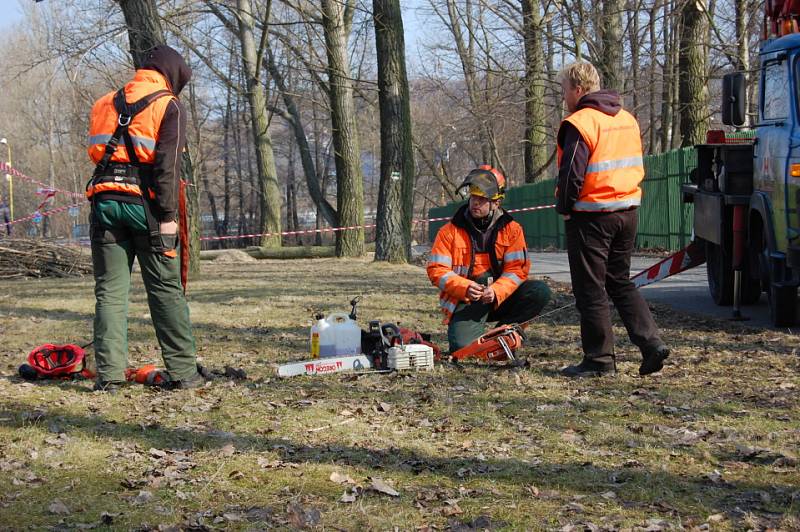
x=496 y=344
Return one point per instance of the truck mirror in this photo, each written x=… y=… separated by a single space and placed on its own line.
x=733 y=99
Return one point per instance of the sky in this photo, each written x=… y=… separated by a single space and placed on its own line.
x=11 y=14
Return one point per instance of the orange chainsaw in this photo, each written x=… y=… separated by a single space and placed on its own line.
x=498 y=344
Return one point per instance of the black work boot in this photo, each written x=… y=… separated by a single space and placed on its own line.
x=592 y=367
x=653 y=359
x=110 y=387
x=195 y=381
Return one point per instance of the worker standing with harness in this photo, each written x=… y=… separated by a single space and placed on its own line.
x=480 y=263
x=136 y=137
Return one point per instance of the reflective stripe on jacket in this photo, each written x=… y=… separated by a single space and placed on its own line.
x=452 y=267
x=615 y=167
x=143 y=128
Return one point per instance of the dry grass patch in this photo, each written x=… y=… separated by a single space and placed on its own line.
x=711 y=442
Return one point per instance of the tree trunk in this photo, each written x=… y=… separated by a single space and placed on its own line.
x=269 y=190
x=666 y=80
x=349 y=177
x=651 y=148
x=144 y=28
x=633 y=88
x=693 y=91
x=292 y=218
x=743 y=48
x=296 y=123
x=535 y=142
x=610 y=66
x=196 y=126
x=396 y=193
x=226 y=166
x=144 y=33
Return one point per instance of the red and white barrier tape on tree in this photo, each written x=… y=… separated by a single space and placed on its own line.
x=368 y=226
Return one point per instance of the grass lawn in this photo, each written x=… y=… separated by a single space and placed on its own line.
x=711 y=443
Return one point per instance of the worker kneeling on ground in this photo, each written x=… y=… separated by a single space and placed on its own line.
x=480 y=263
x=137 y=135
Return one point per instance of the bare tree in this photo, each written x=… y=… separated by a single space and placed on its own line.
x=610 y=63
x=395 y=199
x=336 y=22
x=693 y=90
x=536 y=146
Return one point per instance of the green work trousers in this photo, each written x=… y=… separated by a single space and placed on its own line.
x=469 y=319
x=119 y=234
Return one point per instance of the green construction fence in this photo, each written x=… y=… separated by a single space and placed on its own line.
x=664 y=222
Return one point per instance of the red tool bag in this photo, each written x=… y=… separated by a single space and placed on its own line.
x=50 y=361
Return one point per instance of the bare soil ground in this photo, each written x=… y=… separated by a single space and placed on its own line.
x=710 y=443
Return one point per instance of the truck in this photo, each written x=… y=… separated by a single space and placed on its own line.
x=746 y=190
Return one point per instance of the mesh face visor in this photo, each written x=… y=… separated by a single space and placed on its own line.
x=482 y=183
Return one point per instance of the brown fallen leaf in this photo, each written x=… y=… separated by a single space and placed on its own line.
x=340 y=478
x=228 y=450
x=379 y=485
x=157 y=453
x=300 y=517
x=451 y=508
x=236 y=475
x=532 y=490
x=143 y=497
x=58 y=508
x=350 y=495
x=570 y=436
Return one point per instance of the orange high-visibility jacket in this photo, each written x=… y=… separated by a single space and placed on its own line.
x=615 y=167
x=143 y=128
x=453 y=264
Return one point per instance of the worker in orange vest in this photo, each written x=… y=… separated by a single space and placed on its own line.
x=136 y=137
x=599 y=171
x=480 y=263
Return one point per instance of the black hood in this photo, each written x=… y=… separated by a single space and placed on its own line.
x=171 y=65
x=605 y=101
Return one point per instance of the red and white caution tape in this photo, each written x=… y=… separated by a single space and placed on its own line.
x=45 y=213
x=353 y=227
x=689 y=257
x=6 y=169
x=48 y=191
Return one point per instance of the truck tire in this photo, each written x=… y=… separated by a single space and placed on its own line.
x=720 y=275
x=782 y=305
x=751 y=285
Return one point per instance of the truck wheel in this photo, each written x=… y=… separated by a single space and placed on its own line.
x=720 y=275
x=782 y=305
x=751 y=286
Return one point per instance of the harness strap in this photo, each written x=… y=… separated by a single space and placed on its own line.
x=127 y=111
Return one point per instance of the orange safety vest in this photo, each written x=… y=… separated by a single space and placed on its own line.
x=143 y=128
x=615 y=167
x=452 y=264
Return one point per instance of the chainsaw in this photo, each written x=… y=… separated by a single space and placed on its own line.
x=498 y=344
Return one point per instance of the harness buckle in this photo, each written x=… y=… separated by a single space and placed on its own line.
x=124 y=120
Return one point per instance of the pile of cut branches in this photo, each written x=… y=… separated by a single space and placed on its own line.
x=20 y=257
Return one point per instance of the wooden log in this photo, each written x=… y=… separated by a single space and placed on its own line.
x=281 y=253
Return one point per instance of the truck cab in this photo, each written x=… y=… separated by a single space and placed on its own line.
x=746 y=191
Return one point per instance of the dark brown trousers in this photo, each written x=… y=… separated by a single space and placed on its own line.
x=599 y=246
